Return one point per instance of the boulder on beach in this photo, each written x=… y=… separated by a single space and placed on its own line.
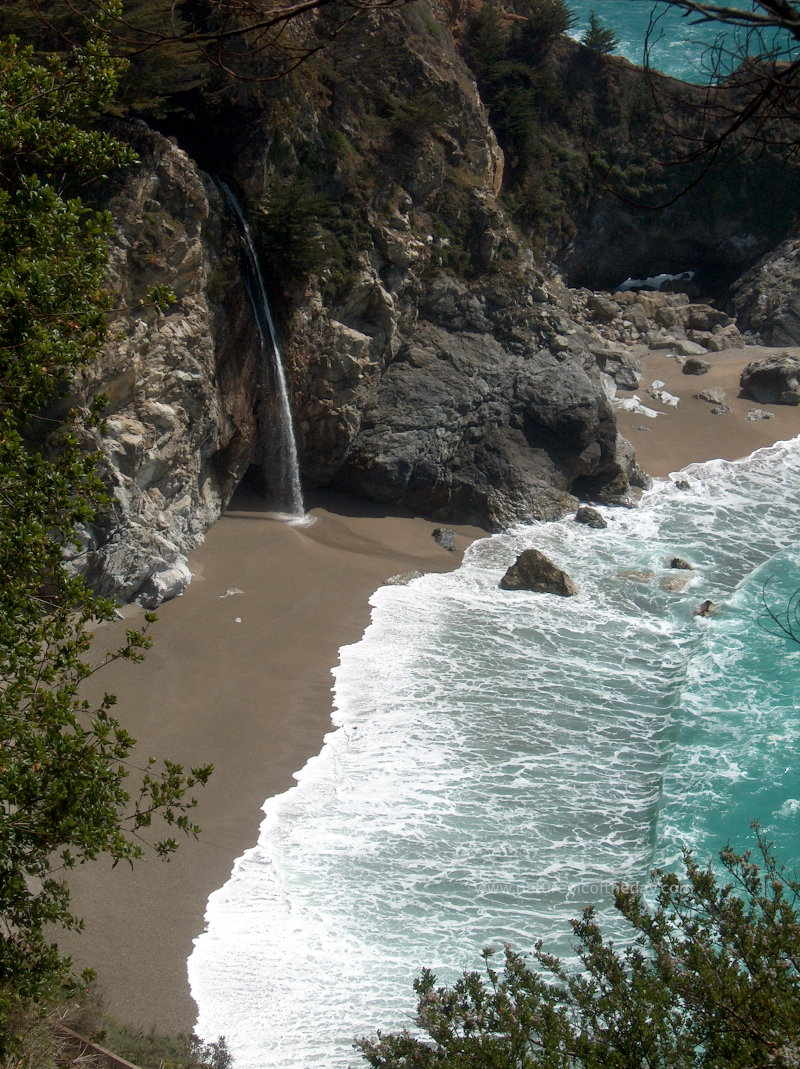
x=532 y=570
x=445 y=537
x=714 y=396
x=775 y=380
x=694 y=366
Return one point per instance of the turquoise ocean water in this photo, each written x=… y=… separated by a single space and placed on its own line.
x=679 y=43
x=500 y=759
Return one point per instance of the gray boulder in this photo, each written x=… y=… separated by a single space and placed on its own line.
x=694 y=366
x=591 y=517
x=714 y=396
x=532 y=570
x=445 y=537
x=774 y=380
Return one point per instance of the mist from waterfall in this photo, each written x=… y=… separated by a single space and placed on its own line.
x=279 y=457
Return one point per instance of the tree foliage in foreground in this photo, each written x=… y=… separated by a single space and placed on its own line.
x=64 y=763
x=752 y=75
x=712 y=981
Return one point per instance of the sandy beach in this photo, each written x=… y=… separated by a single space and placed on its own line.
x=239 y=675
x=689 y=432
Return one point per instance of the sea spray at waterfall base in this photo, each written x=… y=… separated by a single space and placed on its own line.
x=502 y=758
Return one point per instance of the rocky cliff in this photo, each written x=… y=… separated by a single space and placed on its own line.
x=434 y=361
x=182 y=385
x=766 y=299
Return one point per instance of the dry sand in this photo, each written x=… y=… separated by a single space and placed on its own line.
x=691 y=432
x=244 y=680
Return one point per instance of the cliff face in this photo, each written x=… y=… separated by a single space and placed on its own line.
x=432 y=360
x=766 y=299
x=442 y=372
x=182 y=385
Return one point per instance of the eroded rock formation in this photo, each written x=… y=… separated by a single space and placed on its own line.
x=182 y=384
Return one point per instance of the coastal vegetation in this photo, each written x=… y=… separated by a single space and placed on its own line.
x=69 y=787
x=712 y=980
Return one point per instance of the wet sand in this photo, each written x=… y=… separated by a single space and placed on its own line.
x=239 y=675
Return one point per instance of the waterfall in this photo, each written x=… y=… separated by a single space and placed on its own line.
x=279 y=458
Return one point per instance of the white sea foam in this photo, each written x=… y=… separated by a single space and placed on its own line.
x=500 y=759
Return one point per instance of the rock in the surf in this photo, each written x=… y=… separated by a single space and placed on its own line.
x=591 y=517
x=532 y=570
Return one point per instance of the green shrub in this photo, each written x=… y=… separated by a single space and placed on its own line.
x=287 y=225
x=712 y=981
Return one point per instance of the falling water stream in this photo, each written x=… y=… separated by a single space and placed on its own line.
x=280 y=466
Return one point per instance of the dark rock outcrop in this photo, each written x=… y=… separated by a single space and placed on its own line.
x=775 y=380
x=718 y=229
x=460 y=428
x=180 y=423
x=591 y=517
x=532 y=570
x=766 y=299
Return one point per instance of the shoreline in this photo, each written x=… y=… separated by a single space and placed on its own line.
x=240 y=675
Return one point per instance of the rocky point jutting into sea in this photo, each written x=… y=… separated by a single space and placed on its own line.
x=442 y=352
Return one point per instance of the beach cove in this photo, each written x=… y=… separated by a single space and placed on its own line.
x=239 y=675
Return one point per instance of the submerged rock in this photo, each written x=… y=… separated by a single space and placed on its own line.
x=705 y=608
x=532 y=570
x=676 y=583
x=403 y=578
